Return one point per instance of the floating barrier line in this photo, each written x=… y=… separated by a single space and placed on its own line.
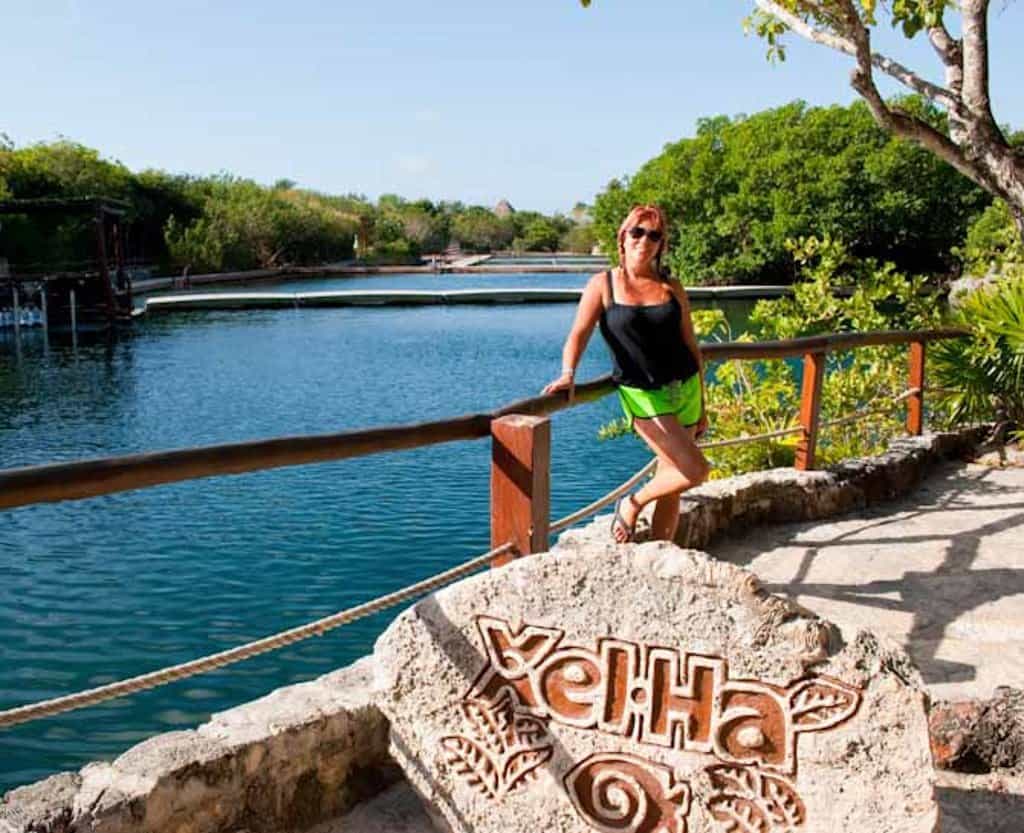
x=111 y=691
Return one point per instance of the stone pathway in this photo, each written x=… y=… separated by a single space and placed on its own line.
x=941 y=571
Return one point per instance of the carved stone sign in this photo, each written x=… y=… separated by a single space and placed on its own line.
x=649 y=689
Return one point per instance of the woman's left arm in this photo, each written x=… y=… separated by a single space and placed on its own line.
x=690 y=339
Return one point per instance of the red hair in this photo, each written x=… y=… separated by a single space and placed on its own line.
x=637 y=213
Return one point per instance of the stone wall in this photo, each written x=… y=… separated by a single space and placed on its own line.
x=786 y=495
x=295 y=757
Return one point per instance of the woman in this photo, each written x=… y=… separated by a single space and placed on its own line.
x=645 y=318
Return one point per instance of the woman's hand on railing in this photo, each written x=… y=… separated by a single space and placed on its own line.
x=567 y=381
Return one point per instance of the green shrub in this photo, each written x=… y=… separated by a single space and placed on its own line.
x=993 y=243
x=243 y=225
x=986 y=371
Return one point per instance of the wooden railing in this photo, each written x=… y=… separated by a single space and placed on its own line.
x=521 y=441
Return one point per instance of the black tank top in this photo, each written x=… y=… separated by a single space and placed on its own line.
x=646 y=342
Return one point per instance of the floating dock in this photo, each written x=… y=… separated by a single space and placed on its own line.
x=377 y=298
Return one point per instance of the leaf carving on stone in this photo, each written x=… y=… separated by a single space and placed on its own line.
x=472 y=765
x=523 y=766
x=821 y=704
x=490 y=724
x=737 y=815
x=504 y=750
x=528 y=730
x=738 y=780
x=784 y=806
x=747 y=800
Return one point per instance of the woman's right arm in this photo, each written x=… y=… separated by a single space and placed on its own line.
x=587 y=314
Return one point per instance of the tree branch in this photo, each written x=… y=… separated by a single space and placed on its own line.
x=803 y=28
x=951 y=53
x=975 y=57
x=938 y=94
x=946 y=46
x=911 y=127
x=897 y=121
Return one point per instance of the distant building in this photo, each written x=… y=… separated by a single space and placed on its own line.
x=581 y=214
x=504 y=209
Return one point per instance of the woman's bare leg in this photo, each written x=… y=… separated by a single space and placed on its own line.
x=681 y=466
x=665 y=519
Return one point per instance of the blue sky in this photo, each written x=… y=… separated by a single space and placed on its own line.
x=537 y=101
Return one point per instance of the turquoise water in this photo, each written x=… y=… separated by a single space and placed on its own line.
x=110 y=587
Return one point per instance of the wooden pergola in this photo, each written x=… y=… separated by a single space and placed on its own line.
x=92 y=296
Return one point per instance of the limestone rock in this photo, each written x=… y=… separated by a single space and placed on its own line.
x=980 y=736
x=649 y=689
x=300 y=755
x=951 y=725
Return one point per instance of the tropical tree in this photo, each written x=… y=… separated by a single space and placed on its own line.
x=223 y=222
x=580 y=239
x=539 y=235
x=478 y=229
x=974 y=143
x=243 y=225
x=743 y=186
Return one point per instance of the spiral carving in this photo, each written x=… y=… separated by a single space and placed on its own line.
x=620 y=793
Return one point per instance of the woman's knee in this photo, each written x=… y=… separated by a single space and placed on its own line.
x=679 y=452
x=696 y=470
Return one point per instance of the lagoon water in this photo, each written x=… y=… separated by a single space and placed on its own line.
x=97 y=590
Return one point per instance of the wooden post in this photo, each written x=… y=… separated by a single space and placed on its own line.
x=915 y=403
x=810 y=409
x=520 y=484
x=118 y=254
x=17 y=310
x=101 y=254
x=45 y=312
x=74 y=319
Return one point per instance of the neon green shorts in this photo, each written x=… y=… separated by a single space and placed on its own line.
x=681 y=399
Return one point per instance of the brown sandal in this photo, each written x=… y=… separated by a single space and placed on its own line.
x=617 y=518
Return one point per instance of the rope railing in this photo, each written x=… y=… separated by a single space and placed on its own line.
x=170 y=674
x=864 y=413
x=602 y=502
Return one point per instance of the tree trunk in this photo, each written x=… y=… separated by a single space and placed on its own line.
x=1018 y=220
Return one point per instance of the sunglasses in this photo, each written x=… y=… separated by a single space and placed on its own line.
x=638 y=232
